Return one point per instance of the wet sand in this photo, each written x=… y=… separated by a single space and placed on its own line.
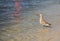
x=29 y=29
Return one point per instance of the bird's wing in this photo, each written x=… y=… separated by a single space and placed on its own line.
x=47 y=22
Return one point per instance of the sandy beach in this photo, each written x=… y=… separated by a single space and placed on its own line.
x=29 y=28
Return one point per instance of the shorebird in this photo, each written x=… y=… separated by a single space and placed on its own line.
x=44 y=22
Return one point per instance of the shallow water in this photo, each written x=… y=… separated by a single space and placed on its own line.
x=25 y=26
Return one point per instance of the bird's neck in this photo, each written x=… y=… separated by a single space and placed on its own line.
x=41 y=18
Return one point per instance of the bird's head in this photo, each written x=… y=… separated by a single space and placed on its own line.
x=40 y=15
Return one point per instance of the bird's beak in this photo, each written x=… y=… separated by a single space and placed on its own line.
x=38 y=15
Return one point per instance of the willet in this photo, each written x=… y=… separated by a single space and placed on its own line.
x=44 y=22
